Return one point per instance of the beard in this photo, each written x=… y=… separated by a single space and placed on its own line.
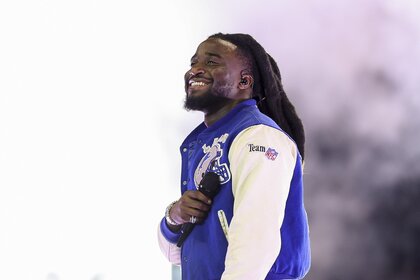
x=204 y=103
x=208 y=101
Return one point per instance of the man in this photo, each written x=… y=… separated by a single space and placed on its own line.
x=256 y=226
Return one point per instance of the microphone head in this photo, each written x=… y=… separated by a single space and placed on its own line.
x=210 y=184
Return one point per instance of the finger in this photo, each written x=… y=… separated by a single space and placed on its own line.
x=186 y=213
x=187 y=210
x=197 y=195
x=198 y=220
x=191 y=199
x=195 y=212
x=196 y=205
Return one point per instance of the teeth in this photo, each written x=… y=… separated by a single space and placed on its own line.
x=192 y=83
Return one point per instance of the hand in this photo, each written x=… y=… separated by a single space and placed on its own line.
x=191 y=203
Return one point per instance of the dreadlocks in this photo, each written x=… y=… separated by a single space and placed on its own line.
x=267 y=88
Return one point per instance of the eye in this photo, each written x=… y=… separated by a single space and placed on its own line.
x=211 y=62
x=193 y=62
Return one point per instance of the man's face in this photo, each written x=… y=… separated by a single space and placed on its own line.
x=214 y=77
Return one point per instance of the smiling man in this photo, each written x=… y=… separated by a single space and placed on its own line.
x=255 y=225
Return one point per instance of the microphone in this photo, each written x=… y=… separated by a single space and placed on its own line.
x=209 y=186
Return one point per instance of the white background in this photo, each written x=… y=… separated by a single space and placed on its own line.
x=91 y=96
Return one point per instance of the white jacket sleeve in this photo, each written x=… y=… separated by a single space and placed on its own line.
x=262 y=161
x=169 y=250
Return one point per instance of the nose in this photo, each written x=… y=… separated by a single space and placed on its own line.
x=195 y=70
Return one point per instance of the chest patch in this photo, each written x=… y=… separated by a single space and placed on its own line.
x=211 y=161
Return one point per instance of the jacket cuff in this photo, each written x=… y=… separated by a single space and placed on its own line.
x=167 y=233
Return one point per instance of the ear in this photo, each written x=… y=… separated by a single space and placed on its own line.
x=246 y=81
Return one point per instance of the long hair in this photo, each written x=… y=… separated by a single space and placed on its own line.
x=267 y=87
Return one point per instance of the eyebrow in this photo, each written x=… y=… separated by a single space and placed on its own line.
x=209 y=54
x=213 y=54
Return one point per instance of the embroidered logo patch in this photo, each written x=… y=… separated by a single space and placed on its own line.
x=211 y=161
x=271 y=154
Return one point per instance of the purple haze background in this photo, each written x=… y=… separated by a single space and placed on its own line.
x=352 y=70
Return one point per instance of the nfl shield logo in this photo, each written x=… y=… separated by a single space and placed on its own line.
x=271 y=154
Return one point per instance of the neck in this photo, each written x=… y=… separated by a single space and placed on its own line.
x=212 y=116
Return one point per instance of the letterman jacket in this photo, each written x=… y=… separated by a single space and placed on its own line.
x=257 y=226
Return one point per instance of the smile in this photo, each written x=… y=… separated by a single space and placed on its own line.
x=197 y=84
